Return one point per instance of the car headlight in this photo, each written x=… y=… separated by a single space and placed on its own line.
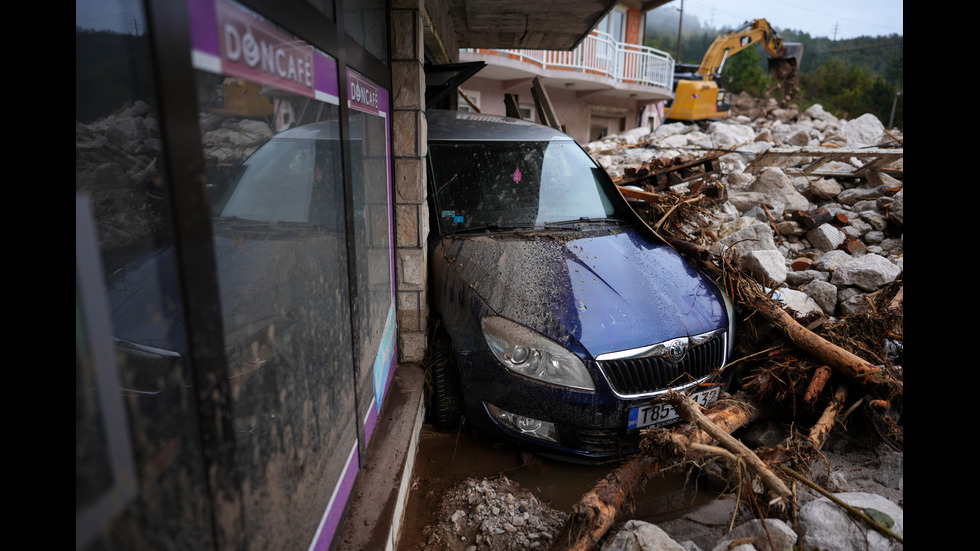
x=529 y=353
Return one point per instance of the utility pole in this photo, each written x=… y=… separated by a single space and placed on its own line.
x=891 y=118
x=680 y=27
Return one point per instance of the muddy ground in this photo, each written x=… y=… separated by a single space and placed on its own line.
x=456 y=472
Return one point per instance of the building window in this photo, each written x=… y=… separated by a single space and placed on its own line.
x=529 y=112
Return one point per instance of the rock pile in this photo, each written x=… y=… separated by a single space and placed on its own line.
x=493 y=514
x=824 y=243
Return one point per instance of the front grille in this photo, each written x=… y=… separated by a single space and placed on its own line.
x=608 y=441
x=648 y=375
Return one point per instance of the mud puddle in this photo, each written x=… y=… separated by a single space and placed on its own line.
x=444 y=460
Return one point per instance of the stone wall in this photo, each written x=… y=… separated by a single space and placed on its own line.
x=410 y=25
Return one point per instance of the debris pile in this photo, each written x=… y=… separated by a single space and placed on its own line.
x=493 y=514
x=824 y=243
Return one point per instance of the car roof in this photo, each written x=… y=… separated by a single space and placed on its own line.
x=444 y=125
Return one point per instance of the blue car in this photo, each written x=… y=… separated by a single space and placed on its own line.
x=561 y=317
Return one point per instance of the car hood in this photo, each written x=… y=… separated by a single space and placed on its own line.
x=607 y=290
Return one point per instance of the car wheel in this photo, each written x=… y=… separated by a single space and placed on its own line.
x=446 y=390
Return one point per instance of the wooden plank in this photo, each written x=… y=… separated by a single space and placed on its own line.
x=512 y=106
x=809 y=160
x=642 y=195
x=543 y=104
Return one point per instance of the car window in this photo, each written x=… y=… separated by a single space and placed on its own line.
x=515 y=184
x=279 y=183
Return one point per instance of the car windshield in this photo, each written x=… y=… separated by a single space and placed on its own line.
x=280 y=184
x=506 y=185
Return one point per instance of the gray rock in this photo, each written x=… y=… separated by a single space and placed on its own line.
x=830 y=260
x=745 y=201
x=854 y=195
x=868 y=272
x=816 y=111
x=825 y=525
x=823 y=293
x=637 y=535
x=763 y=532
x=755 y=237
x=774 y=183
x=825 y=188
x=863 y=131
x=797 y=301
x=803 y=277
x=855 y=303
x=767 y=266
x=895 y=212
x=825 y=237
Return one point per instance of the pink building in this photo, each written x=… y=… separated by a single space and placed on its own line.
x=609 y=83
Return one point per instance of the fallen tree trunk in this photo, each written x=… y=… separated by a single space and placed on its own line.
x=813 y=344
x=598 y=509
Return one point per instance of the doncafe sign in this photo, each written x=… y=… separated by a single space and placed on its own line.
x=363 y=94
x=253 y=49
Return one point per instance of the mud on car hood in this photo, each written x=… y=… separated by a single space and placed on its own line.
x=607 y=290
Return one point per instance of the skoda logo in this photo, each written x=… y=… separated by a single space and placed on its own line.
x=676 y=351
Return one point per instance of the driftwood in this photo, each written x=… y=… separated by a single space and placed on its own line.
x=820 y=377
x=690 y=412
x=598 y=509
x=821 y=429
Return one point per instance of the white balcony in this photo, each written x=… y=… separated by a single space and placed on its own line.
x=598 y=65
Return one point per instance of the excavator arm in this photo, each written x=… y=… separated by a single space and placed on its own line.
x=757 y=31
x=702 y=99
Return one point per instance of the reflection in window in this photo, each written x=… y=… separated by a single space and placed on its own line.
x=366 y=21
x=372 y=223
x=280 y=244
x=118 y=169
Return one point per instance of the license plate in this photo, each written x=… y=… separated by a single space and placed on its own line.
x=662 y=413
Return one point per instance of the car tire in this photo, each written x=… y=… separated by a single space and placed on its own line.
x=446 y=391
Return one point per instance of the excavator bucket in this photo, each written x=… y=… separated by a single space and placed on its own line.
x=787 y=66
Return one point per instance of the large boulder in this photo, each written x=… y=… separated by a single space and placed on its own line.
x=825 y=525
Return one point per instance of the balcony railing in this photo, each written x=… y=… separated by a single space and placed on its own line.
x=600 y=55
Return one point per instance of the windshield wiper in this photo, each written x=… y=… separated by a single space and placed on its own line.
x=576 y=223
x=490 y=228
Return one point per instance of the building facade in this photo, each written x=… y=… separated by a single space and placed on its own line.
x=610 y=82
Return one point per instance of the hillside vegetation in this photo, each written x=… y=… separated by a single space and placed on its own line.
x=847 y=77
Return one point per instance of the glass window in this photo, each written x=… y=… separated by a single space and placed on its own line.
x=122 y=192
x=372 y=239
x=366 y=21
x=272 y=148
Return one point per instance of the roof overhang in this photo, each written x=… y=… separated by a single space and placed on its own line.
x=534 y=24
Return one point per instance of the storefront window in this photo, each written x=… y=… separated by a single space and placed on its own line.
x=135 y=412
x=372 y=237
x=270 y=124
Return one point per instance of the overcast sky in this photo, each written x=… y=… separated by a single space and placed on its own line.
x=824 y=18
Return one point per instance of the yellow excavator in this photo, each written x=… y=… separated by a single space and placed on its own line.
x=700 y=97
